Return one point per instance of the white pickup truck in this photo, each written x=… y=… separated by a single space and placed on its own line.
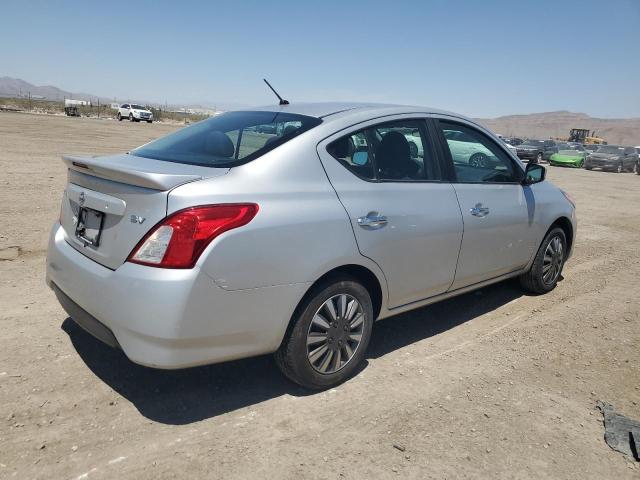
x=134 y=113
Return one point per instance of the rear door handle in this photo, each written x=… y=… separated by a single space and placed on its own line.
x=479 y=210
x=372 y=220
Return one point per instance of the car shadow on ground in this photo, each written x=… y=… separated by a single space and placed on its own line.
x=179 y=397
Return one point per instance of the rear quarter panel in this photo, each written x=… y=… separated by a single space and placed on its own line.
x=301 y=230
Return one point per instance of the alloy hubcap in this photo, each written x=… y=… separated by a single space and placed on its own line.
x=552 y=262
x=335 y=333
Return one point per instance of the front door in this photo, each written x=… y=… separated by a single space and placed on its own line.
x=497 y=210
x=405 y=218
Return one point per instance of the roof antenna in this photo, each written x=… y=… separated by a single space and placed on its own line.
x=282 y=100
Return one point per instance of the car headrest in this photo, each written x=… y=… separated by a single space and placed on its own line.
x=270 y=140
x=342 y=148
x=218 y=144
x=393 y=151
x=289 y=129
x=393 y=157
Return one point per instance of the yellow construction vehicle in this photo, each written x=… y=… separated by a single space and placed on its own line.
x=583 y=135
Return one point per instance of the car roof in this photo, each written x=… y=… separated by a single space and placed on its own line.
x=342 y=109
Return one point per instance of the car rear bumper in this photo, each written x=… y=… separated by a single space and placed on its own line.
x=168 y=318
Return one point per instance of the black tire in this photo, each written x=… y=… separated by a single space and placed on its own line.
x=293 y=357
x=149 y=121
x=119 y=117
x=620 y=168
x=533 y=281
x=131 y=117
x=587 y=166
x=539 y=157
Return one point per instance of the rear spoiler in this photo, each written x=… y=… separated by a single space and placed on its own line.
x=142 y=172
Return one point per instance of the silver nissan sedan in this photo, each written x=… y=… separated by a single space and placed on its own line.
x=290 y=229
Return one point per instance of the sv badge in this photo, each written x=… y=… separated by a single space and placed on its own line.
x=137 y=219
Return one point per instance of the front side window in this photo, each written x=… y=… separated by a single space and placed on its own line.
x=476 y=158
x=394 y=151
x=228 y=139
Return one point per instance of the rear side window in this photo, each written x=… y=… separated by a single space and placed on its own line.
x=228 y=139
x=394 y=151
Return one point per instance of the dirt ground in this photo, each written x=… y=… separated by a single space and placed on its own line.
x=493 y=384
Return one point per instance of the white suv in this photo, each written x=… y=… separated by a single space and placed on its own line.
x=134 y=113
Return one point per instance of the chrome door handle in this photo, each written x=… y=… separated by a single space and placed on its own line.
x=372 y=220
x=479 y=210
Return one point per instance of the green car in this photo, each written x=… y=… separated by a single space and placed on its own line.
x=569 y=155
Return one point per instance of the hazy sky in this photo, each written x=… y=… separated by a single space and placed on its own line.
x=476 y=57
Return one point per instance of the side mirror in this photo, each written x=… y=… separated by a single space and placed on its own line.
x=534 y=173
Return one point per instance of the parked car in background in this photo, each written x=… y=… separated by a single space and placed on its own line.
x=591 y=148
x=569 y=155
x=134 y=113
x=515 y=141
x=216 y=243
x=465 y=150
x=613 y=157
x=636 y=170
x=511 y=148
x=535 y=150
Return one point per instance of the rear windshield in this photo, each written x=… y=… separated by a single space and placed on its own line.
x=228 y=139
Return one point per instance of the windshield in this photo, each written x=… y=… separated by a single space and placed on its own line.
x=610 y=149
x=229 y=139
x=138 y=107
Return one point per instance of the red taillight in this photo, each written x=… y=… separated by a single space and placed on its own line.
x=178 y=240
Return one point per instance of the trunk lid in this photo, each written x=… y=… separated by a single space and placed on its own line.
x=130 y=195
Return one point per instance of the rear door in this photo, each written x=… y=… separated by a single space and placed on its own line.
x=497 y=211
x=404 y=216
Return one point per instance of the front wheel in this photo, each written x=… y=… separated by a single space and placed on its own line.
x=130 y=117
x=119 y=117
x=620 y=168
x=548 y=263
x=329 y=334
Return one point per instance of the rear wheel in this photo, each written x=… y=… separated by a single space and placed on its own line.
x=149 y=121
x=329 y=335
x=548 y=263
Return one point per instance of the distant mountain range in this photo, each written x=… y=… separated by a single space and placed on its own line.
x=625 y=131
x=16 y=87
